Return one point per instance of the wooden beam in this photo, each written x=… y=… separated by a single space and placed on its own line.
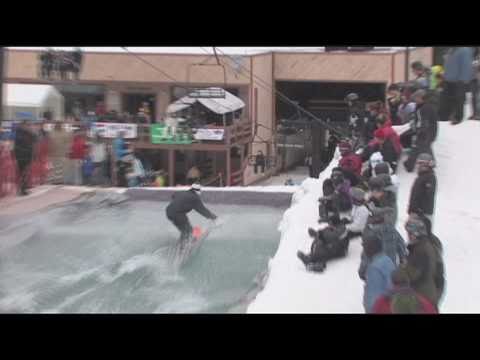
x=229 y=168
x=171 y=167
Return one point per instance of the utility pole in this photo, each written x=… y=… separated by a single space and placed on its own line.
x=2 y=62
x=407 y=61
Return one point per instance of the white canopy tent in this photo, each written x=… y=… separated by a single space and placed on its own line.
x=25 y=101
x=221 y=106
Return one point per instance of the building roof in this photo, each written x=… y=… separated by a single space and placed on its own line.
x=27 y=95
x=246 y=50
x=225 y=105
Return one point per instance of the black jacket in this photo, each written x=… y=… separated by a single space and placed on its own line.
x=422 y=195
x=425 y=124
x=186 y=201
x=24 y=141
x=389 y=154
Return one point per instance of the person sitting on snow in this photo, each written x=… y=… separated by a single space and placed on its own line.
x=359 y=215
x=328 y=243
x=350 y=163
x=336 y=196
x=381 y=197
x=373 y=160
x=384 y=168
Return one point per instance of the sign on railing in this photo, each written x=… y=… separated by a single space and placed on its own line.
x=111 y=130
x=209 y=134
x=161 y=134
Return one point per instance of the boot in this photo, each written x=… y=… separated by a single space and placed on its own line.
x=305 y=258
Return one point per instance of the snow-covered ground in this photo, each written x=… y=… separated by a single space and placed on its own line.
x=291 y=289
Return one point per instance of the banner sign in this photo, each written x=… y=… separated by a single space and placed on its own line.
x=111 y=130
x=297 y=146
x=209 y=134
x=161 y=134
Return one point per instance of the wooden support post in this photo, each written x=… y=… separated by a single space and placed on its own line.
x=229 y=168
x=171 y=167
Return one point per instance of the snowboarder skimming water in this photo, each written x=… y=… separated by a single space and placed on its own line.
x=182 y=203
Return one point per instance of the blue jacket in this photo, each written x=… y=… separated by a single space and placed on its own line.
x=378 y=280
x=118 y=148
x=458 y=65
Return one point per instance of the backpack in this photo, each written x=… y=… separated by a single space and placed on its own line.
x=405 y=302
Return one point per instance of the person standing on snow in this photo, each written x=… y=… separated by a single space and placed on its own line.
x=422 y=194
x=378 y=271
x=424 y=128
x=457 y=77
x=381 y=197
x=182 y=203
x=24 y=143
x=402 y=299
x=422 y=261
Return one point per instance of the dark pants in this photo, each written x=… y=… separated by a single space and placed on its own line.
x=414 y=152
x=452 y=101
x=23 y=166
x=262 y=167
x=474 y=90
x=182 y=223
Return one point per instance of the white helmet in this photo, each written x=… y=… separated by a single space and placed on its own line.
x=375 y=158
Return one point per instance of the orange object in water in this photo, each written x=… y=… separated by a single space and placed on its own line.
x=197 y=231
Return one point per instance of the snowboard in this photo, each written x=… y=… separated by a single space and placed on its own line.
x=182 y=252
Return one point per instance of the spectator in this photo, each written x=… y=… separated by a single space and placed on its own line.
x=98 y=155
x=383 y=196
x=437 y=245
x=100 y=109
x=78 y=152
x=328 y=244
x=422 y=78
x=136 y=175
x=422 y=194
x=474 y=86
x=8 y=178
x=374 y=110
x=40 y=164
x=424 y=129
x=119 y=145
x=259 y=162
x=24 y=141
x=385 y=144
x=384 y=168
x=309 y=164
x=458 y=75
x=193 y=175
x=378 y=270
x=350 y=163
x=359 y=214
x=375 y=158
x=336 y=198
x=59 y=146
x=402 y=299
x=394 y=101
x=357 y=116
x=422 y=261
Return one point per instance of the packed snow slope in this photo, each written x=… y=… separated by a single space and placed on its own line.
x=291 y=289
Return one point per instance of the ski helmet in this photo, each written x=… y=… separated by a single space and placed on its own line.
x=358 y=195
x=426 y=159
x=375 y=159
x=382 y=168
x=376 y=184
x=196 y=187
x=352 y=97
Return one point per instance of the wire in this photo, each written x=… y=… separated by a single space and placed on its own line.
x=286 y=99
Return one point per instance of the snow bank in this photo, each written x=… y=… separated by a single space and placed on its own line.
x=291 y=289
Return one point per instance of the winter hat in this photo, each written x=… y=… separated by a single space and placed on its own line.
x=417 y=65
x=387 y=180
x=196 y=187
x=379 y=134
x=357 y=194
x=426 y=159
x=376 y=183
x=416 y=227
x=376 y=158
x=382 y=168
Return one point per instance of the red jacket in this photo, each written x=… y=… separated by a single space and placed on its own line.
x=351 y=162
x=391 y=134
x=79 y=148
x=382 y=305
